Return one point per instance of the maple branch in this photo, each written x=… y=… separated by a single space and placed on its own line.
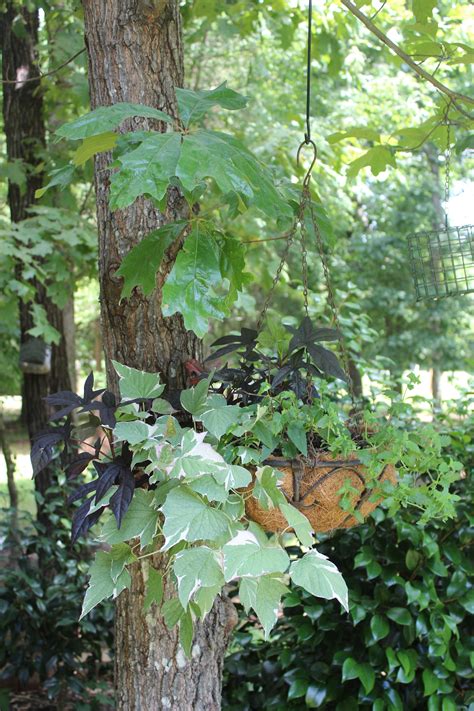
x=453 y=95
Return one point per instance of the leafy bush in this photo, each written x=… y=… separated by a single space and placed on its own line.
x=41 y=594
x=405 y=644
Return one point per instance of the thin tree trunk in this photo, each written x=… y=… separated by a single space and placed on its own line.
x=436 y=375
x=25 y=137
x=135 y=54
x=435 y=317
x=9 y=464
x=69 y=327
x=13 y=545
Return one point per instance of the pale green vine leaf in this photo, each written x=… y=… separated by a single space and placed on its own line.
x=196 y=568
x=101 y=583
x=154 y=588
x=189 y=518
x=136 y=383
x=121 y=555
x=319 y=576
x=299 y=523
x=263 y=594
x=140 y=521
x=249 y=554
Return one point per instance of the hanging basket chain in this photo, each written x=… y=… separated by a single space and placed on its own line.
x=330 y=295
x=447 y=171
x=299 y=222
x=284 y=257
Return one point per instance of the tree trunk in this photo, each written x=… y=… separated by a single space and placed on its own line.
x=436 y=313
x=25 y=138
x=9 y=464
x=12 y=544
x=135 y=55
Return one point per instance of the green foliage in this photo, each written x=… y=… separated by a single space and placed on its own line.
x=148 y=163
x=406 y=644
x=40 y=600
x=197 y=274
x=139 y=266
x=193 y=507
x=53 y=247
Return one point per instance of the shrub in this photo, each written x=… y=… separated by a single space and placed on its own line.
x=405 y=644
x=41 y=591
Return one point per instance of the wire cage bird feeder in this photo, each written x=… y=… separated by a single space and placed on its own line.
x=442 y=260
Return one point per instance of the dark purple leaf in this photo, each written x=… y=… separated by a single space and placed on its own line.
x=246 y=339
x=326 y=361
x=42 y=449
x=78 y=519
x=281 y=375
x=107 y=479
x=105 y=407
x=108 y=399
x=120 y=501
x=225 y=350
x=100 y=467
x=327 y=334
x=81 y=462
x=87 y=523
x=64 y=398
x=82 y=491
x=89 y=392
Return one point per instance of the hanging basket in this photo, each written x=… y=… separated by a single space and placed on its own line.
x=443 y=262
x=313 y=485
x=35 y=357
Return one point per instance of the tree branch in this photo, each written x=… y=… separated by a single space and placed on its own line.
x=46 y=74
x=453 y=95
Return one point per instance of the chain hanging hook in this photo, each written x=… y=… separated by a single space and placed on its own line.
x=303 y=144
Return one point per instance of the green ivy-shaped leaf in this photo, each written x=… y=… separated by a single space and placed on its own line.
x=197 y=568
x=263 y=594
x=188 y=517
x=101 y=583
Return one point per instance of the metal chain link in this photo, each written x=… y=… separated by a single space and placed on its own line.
x=330 y=296
x=447 y=172
x=304 y=253
x=289 y=241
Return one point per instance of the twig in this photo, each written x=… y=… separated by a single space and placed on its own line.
x=46 y=74
x=266 y=239
x=454 y=95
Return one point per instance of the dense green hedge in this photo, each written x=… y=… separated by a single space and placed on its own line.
x=407 y=643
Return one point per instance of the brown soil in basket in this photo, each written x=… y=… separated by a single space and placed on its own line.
x=321 y=505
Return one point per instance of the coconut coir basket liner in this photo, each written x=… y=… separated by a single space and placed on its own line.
x=312 y=486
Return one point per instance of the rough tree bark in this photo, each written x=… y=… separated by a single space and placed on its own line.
x=25 y=137
x=136 y=55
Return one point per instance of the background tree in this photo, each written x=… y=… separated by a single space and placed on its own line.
x=25 y=137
